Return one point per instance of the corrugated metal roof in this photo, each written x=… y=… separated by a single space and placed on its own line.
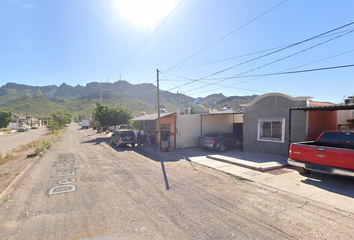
x=324 y=108
x=220 y=113
x=152 y=116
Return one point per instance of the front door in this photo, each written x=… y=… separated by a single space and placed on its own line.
x=165 y=133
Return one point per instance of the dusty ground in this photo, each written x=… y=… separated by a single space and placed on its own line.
x=17 y=161
x=119 y=193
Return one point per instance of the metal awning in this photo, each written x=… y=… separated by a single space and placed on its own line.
x=324 y=108
x=219 y=113
x=152 y=117
x=317 y=108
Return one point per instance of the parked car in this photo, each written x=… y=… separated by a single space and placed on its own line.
x=220 y=141
x=22 y=128
x=34 y=126
x=123 y=137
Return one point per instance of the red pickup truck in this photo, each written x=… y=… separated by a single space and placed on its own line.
x=332 y=152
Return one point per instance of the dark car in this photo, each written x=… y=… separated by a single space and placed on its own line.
x=220 y=141
x=123 y=137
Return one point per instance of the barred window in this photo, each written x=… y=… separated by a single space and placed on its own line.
x=271 y=129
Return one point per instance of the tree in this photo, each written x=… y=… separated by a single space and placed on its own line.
x=135 y=124
x=5 y=119
x=107 y=116
x=101 y=114
x=62 y=117
x=120 y=115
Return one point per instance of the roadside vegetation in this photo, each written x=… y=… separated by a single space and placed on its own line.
x=111 y=116
x=5 y=119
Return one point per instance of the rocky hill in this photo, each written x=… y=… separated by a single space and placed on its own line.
x=39 y=101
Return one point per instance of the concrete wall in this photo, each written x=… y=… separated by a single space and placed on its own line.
x=12 y=126
x=273 y=106
x=172 y=122
x=189 y=130
x=192 y=126
x=217 y=123
x=238 y=118
x=320 y=121
x=343 y=116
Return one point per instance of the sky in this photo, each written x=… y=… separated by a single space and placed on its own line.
x=200 y=47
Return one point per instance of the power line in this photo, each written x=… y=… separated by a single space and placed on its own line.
x=248 y=54
x=147 y=38
x=299 y=66
x=242 y=26
x=231 y=86
x=300 y=71
x=292 y=45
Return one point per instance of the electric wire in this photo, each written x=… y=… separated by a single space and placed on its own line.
x=231 y=86
x=248 y=54
x=213 y=79
x=262 y=56
x=147 y=38
x=300 y=71
x=227 y=35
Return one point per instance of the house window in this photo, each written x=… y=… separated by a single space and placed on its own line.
x=271 y=129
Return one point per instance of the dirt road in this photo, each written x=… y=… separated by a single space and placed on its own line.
x=84 y=188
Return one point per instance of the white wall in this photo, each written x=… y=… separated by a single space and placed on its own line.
x=188 y=130
x=238 y=118
x=12 y=126
x=216 y=123
x=344 y=115
x=189 y=127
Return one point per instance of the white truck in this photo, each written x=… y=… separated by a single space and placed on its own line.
x=85 y=124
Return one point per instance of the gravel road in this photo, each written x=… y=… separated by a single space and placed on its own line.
x=99 y=191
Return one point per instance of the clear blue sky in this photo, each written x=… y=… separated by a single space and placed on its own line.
x=205 y=41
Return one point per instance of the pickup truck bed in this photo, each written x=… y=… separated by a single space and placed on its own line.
x=332 y=153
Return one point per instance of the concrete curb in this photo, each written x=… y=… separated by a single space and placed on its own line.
x=253 y=166
x=12 y=185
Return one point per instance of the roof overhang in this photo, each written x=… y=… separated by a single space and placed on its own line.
x=325 y=108
x=152 y=117
x=220 y=113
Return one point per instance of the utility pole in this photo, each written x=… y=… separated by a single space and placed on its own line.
x=100 y=95
x=177 y=99
x=51 y=103
x=158 y=111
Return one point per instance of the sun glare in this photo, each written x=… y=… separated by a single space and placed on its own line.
x=145 y=12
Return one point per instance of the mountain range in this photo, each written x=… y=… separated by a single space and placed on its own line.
x=39 y=101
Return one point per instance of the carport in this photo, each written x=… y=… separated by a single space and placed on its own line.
x=167 y=125
x=236 y=127
x=317 y=108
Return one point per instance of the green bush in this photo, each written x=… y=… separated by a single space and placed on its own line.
x=44 y=145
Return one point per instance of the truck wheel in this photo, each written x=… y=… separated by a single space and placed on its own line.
x=222 y=148
x=302 y=170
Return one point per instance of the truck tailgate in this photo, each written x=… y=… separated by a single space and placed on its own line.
x=328 y=156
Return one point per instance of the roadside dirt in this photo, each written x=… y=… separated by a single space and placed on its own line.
x=14 y=162
x=122 y=193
